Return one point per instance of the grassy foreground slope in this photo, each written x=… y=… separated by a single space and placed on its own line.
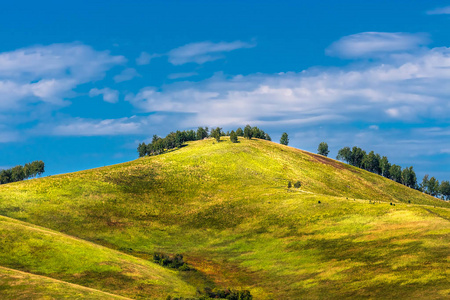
x=227 y=209
x=41 y=251
x=21 y=285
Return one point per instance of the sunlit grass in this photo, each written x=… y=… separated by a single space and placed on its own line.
x=227 y=209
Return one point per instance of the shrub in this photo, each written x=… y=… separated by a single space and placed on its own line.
x=297 y=184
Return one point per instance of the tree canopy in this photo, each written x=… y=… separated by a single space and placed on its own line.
x=284 y=140
x=323 y=149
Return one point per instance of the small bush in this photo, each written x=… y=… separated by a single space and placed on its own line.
x=319 y=202
x=175 y=262
x=297 y=184
x=289 y=185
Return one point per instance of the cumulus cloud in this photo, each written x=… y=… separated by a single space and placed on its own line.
x=389 y=91
x=203 y=52
x=439 y=11
x=126 y=75
x=373 y=44
x=49 y=73
x=109 y=95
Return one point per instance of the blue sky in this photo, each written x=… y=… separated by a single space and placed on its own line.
x=83 y=82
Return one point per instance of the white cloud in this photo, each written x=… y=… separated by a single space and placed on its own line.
x=49 y=73
x=182 y=75
x=126 y=75
x=393 y=90
x=145 y=58
x=109 y=95
x=439 y=11
x=204 y=51
x=86 y=127
x=373 y=44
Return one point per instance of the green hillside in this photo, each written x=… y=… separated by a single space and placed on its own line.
x=226 y=207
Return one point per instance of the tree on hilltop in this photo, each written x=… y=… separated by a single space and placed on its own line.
x=233 y=137
x=239 y=132
x=444 y=189
x=345 y=154
x=395 y=172
x=248 y=132
x=216 y=133
x=323 y=149
x=284 y=140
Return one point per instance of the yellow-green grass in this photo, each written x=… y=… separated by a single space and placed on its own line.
x=42 y=251
x=227 y=208
x=21 y=285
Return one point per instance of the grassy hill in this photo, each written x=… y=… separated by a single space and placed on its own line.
x=226 y=207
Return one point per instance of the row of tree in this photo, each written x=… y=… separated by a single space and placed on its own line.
x=19 y=173
x=177 y=139
x=375 y=163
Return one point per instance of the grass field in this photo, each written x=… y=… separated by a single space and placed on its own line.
x=226 y=207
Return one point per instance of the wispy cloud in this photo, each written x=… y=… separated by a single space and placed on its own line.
x=203 y=52
x=145 y=58
x=88 y=127
x=49 y=73
x=370 y=44
x=109 y=95
x=439 y=11
x=182 y=75
x=126 y=75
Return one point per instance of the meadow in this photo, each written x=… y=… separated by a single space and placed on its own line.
x=227 y=208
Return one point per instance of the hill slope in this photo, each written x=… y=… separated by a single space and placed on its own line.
x=227 y=209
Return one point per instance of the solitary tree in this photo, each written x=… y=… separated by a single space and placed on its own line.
x=233 y=137
x=284 y=139
x=323 y=149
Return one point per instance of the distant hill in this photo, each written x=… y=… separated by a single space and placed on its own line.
x=227 y=208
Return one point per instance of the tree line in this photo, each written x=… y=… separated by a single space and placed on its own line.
x=176 y=139
x=19 y=173
x=375 y=163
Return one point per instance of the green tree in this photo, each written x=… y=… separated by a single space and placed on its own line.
x=323 y=149
x=142 y=149
x=395 y=172
x=202 y=133
x=267 y=137
x=357 y=157
x=345 y=154
x=385 y=166
x=233 y=137
x=409 y=177
x=284 y=140
x=444 y=189
x=424 y=183
x=371 y=162
x=216 y=133
x=239 y=132
x=248 y=132
x=433 y=187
